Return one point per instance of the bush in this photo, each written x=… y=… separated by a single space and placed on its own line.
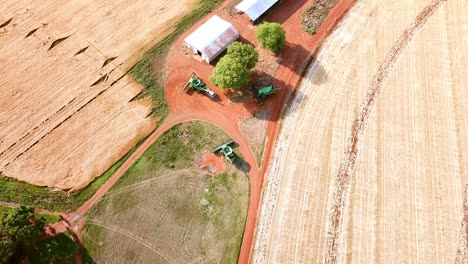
x=271 y=36
x=245 y=53
x=230 y=73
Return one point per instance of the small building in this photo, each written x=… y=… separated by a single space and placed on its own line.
x=255 y=8
x=212 y=38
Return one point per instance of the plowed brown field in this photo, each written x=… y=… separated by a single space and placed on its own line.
x=371 y=163
x=66 y=109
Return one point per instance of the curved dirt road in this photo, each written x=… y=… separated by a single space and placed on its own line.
x=389 y=186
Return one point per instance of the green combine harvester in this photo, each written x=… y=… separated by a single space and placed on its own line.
x=261 y=94
x=226 y=150
x=199 y=86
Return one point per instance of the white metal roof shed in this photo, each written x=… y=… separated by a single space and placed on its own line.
x=212 y=38
x=255 y=8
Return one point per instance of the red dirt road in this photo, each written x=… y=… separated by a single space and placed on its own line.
x=295 y=58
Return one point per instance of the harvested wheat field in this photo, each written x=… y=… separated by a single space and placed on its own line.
x=371 y=164
x=66 y=109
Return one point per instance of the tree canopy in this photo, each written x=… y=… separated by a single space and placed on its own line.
x=245 y=53
x=271 y=36
x=230 y=73
x=233 y=70
x=18 y=229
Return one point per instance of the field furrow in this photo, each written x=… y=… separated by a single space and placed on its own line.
x=389 y=184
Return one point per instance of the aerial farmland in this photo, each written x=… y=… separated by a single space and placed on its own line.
x=370 y=166
x=234 y=131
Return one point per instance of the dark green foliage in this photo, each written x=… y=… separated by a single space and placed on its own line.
x=230 y=73
x=271 y=36
x=18 y=231
x=7 y=248
x=58 y=249
x=245 y=53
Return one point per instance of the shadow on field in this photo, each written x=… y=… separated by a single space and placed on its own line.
x=241 y=165
x=281 y=11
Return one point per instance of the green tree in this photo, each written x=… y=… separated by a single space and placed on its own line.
x=7 y=248
x=18 y=230
x=271 y=36
x=245 y=53
x=230 y=73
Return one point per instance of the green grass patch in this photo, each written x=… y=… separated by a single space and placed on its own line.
x=143 y=72
x=166 y=193
x=315 y=14
x=58 y=249
x=49 y=219
x=15 y=191
x=174 y=150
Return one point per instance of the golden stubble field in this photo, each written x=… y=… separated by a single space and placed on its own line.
x=66 y=108
x=371 y=164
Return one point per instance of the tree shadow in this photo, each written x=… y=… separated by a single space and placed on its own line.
x=244 y=40
x=296 y=58
x=319 y=74
x=241 y=164
x=280 y=99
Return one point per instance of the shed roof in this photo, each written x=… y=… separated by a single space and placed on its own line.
x=213 y=37
x=255 y=8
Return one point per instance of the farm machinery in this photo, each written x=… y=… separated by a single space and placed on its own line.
x=198 y=85
x=226 y=150
x=261 y=94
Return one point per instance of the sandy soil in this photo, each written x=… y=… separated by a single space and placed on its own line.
x=371 y=162
x=66 y=112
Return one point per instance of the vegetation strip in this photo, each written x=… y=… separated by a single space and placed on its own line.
x=14 y=191
x=143 y=72
x=315 y=14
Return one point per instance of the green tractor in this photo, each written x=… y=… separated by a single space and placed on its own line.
x=199 y=86
x=261 y=94
x=226 y=150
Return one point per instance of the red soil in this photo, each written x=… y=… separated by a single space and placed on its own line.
x=295 y=58
x=213 y=163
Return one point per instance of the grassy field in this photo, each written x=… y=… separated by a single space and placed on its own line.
x=166 y=208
